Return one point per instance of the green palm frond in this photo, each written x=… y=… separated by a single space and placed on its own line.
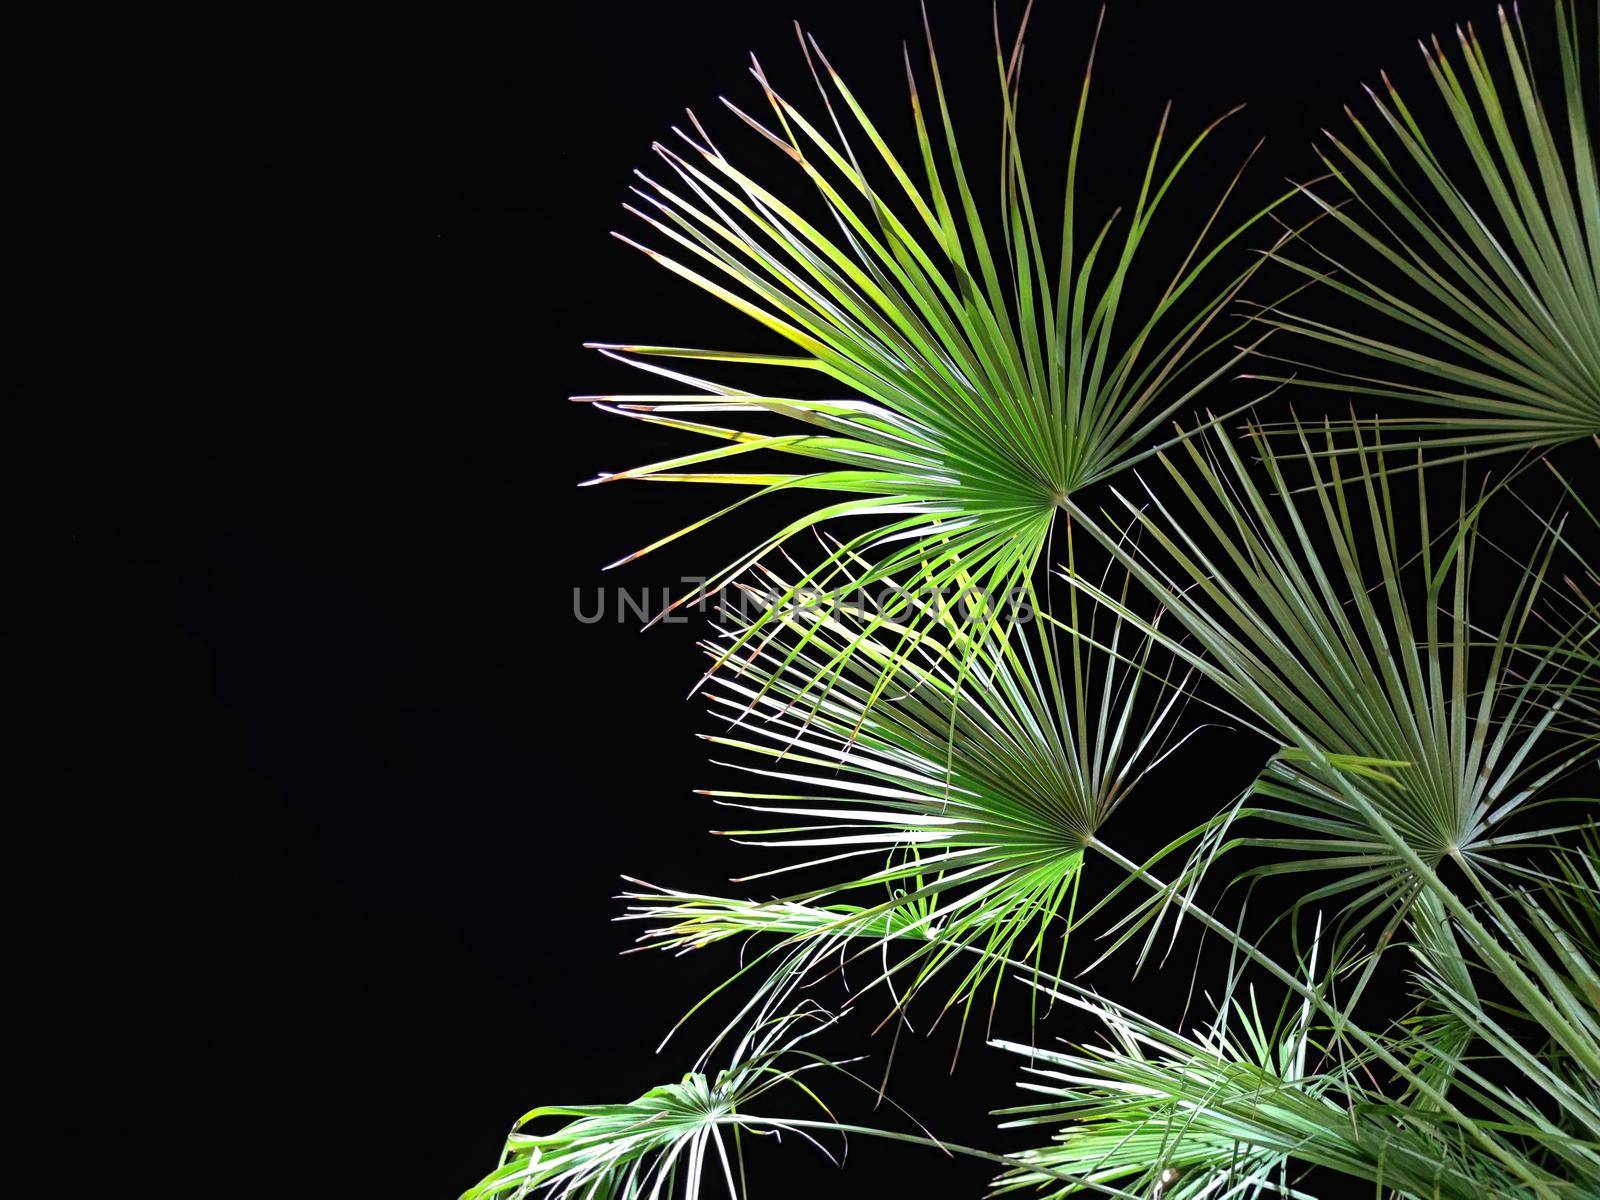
x=1445 y=988
x=1244 y=1105
x=684 y=921
x=981 y=379
x=784 y=944
x=957 y=806
x=1490 y=309
x=682 y=1139
x=1494 y=1057
x=1503 y=1135
x=1238 y=1109
x=1299 y=608
x=1491 y=1055
x=929 y=752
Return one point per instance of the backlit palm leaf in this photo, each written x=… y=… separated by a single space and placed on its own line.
x=1238 y=1109
x=1489 y=305
x=678 y=1140
x=980 y=379
x=936 y=765
x=955 y=807
x=1299 y=608
x=1472 y=1044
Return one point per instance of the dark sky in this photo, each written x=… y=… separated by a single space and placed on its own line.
x=319 y=544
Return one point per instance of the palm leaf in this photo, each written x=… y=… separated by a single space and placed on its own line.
x=980 y=381
x=1298 y=609
x=935 y=775
x=1240 y=1108
x=1488 y=307
x=953 y=810
x=682 y=1139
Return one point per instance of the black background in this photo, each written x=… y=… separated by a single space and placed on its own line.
x=363 y=783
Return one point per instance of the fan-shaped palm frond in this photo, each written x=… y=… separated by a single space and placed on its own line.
x=1483 y=1099
x=1298 y=608
x=1238 y=1109
x=679 y=1140
x=937 y=754
x=969 y=792
x=1495 y=276
x=1241 y=1106
x=983 y=379
x=1494 y=1058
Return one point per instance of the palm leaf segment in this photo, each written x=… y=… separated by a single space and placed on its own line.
x=984 y=380
x=1238 y=1108
x=1297 y=607
x=1496 y=276
x=1467 y=1096
x=951 y=813
x=678 y=1140
x=984 y=398
x=1464 y=1037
